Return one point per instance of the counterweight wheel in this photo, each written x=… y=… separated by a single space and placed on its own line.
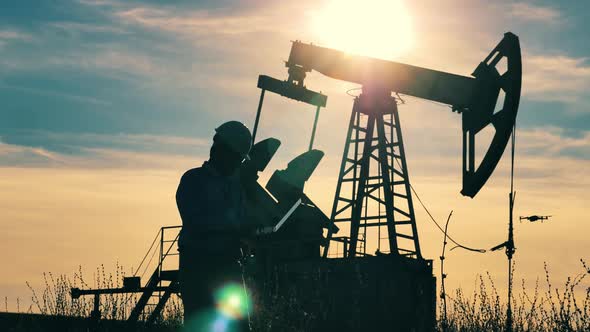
x=490 y=83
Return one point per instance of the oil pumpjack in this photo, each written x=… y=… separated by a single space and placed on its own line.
x=392 y=289
x=353 y=289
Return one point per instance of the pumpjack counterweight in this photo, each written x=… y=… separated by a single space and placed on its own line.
x=373 y=189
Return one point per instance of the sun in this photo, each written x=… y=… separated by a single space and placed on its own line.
x=375 y=28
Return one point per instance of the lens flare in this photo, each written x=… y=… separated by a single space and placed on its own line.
x=220 y=324
x=232 y=301
x=210 y=321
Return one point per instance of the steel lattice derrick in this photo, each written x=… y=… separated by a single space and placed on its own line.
x=373 y=189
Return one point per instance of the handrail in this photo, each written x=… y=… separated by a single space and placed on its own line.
x=147 y=253
x=160 y=234
x=172 y=242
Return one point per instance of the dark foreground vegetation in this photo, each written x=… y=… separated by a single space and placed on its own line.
x=556 y=308
x=543 y=308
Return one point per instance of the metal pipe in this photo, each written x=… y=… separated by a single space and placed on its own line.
x=81 y=292
x=315 y=124
x=255 y=129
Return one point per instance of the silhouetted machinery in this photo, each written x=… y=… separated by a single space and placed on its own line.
x=361 y=268
x=393 y=289
x=298 y=234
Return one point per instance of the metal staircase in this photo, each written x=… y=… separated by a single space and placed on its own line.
x=162 y=283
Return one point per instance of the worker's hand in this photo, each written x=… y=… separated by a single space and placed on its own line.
x=264 y=230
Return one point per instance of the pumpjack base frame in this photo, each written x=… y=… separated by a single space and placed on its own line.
x=373 y=293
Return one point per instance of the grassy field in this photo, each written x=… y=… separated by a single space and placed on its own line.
x=555 y=308
x=545 y=307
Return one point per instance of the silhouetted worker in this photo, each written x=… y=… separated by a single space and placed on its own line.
x=210 y=203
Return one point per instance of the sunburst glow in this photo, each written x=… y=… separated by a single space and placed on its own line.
x=376 y=28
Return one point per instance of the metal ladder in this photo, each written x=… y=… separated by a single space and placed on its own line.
x=162 y=283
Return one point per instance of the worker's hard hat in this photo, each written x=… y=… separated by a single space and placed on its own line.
x=236 y=136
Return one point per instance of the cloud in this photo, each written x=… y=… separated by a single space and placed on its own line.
x=530 y=12
x=99 y=3
x=141 y=142
x=25 y=156
x=200 y=22
x=110 y=60
x=197 y=19
x=552 y=142
x=124 y=61
x=555 y=77
x=107 y=58
x=15 y=35
x=78 y=28
x=47 y=92
x=11 y=36
x=90 y=150
x=93 y=158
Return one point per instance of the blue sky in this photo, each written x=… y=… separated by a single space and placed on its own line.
x=131 y=67
x=99 y=98
x=77 y=68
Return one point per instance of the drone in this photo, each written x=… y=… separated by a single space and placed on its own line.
x=534 y=218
